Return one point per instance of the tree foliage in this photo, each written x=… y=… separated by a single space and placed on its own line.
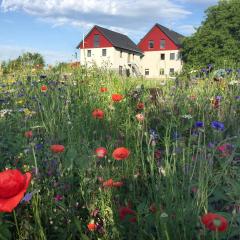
x=26 y=60
x=217 y=40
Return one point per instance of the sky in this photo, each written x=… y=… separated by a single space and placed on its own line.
x=55 y=27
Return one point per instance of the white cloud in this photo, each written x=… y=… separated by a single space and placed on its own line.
x=8 y=52
x=205 y=2
x=127 y=14
x=186 y=29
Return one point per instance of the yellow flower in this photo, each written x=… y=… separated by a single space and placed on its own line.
x=11 y=80
x=20 y=102
x=28 y=113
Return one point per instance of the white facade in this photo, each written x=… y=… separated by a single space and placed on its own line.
x=161 y=64
x=110 y=57
x=154 y=64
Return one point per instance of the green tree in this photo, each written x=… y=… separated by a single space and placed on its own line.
x=26 y=60
x=217 y=40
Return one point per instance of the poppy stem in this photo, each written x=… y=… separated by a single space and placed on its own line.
x=35 y=160
x=16 y=223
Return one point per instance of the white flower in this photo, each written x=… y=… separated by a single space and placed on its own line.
x=187 y=116
x=3 y=112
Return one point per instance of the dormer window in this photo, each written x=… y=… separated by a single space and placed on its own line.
x=151 y=44
x=162 y=44
x=96 y=40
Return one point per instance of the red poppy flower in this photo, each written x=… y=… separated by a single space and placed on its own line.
x=117 y=97
x=101 y=152
x=98 y=113
x=108 y=183
x=13 y=185
x=92 y=227
x=56 y=148
x=111 y=183
x=120 y=153
x=28 y=134
x=140 y=106
x=44 y=88
x=125 y=212
x=215 y=222
x=153 y=208
x=157 y=154
x=193 y=97
x=118 y=184
x=103 y=89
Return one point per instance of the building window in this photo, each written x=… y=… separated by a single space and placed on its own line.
x=151 y=44
x=172 y=56
x=121 y=53
x=120 y=70
x=162 y=44
x=104 y=52
x=171 y=72
x=146 y=72
x=89 y=53
x=163 y=56
x=161 y=71
x=96 y=40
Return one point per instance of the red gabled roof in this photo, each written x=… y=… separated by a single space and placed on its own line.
x=115 y=39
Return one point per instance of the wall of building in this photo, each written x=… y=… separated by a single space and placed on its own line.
x=152 y=61
x=97 y=58
x=112 y=60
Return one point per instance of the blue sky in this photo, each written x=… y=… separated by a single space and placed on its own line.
x=55 y=27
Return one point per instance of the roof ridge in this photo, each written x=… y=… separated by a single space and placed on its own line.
x=111 y=30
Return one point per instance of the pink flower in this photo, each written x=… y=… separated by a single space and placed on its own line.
x=225 y=149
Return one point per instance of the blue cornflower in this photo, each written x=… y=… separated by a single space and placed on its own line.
x=199 y=124
x=217 y=125
x=228 y=70
x=38 y=146
x=176 y=135
x=153 y=134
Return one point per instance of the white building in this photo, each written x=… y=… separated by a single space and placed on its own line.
x=156 y=56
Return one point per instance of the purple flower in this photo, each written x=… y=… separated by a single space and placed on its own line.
x=28 y=196
x=211 y=145
x=199 y=124
x=237 y=97
x=217 y=125
x=218 y=98
x=210 y=66
x=58 y=198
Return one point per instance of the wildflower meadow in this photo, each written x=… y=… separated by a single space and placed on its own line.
x=90 y=155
